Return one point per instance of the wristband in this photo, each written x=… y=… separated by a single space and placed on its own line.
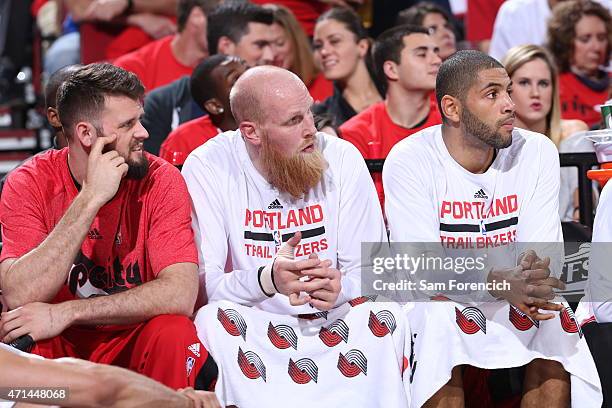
x=265 y=280
x=272 y=276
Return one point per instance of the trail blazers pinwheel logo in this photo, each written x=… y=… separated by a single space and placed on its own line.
x=520 y=320
x=282 y=336
x=470 y=320
x=232 y=322
x=382 y=323
x=569 y=322
x=333 y=334
x=303 y=371
x=352 y=363
x=251 y=365
x=313 y=316
x=362 y=299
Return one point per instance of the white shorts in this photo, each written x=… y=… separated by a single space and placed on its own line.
x=353 y=355
x=495 y=335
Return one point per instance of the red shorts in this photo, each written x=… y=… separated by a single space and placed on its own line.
x=165 y=348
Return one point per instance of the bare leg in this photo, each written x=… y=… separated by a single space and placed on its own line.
x=546 y=384
x=450 y=395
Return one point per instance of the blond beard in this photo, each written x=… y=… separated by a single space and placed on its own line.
x=296 y=174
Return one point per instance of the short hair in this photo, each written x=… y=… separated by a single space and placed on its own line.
x=521 y=55
x=389 y=45
x=184 y=7
x=232 y=20
x=562 y=28
x=348 y=18
x=303 y=61
x=54 y=82
x=415 y=15
x=201 y=84
x=82 y=95
x=459 y=73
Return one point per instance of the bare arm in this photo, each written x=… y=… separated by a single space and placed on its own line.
x=155 y=6
x=108 y=10
x=173 y=292
x=89 y=384
x=49 y=263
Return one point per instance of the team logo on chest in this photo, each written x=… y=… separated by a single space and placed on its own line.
x=480 y=222
x=265 y=230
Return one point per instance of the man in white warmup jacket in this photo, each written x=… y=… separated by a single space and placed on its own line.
x=279 y=214
x=477 y=182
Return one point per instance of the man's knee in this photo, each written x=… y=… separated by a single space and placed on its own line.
x=451 y=393
x=546 y=370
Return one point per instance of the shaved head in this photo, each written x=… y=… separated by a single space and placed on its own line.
x=272 y=106
x=262 y=91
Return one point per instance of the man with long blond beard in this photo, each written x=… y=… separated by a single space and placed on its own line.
x=279 y=213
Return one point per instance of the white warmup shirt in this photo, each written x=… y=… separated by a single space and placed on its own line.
x=240 y=220
x=432 y=198
x=275 y=354
x=429 y=198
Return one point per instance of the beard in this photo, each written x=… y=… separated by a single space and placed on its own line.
x=138 y=168
x=483 y=132
x=295 y=174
